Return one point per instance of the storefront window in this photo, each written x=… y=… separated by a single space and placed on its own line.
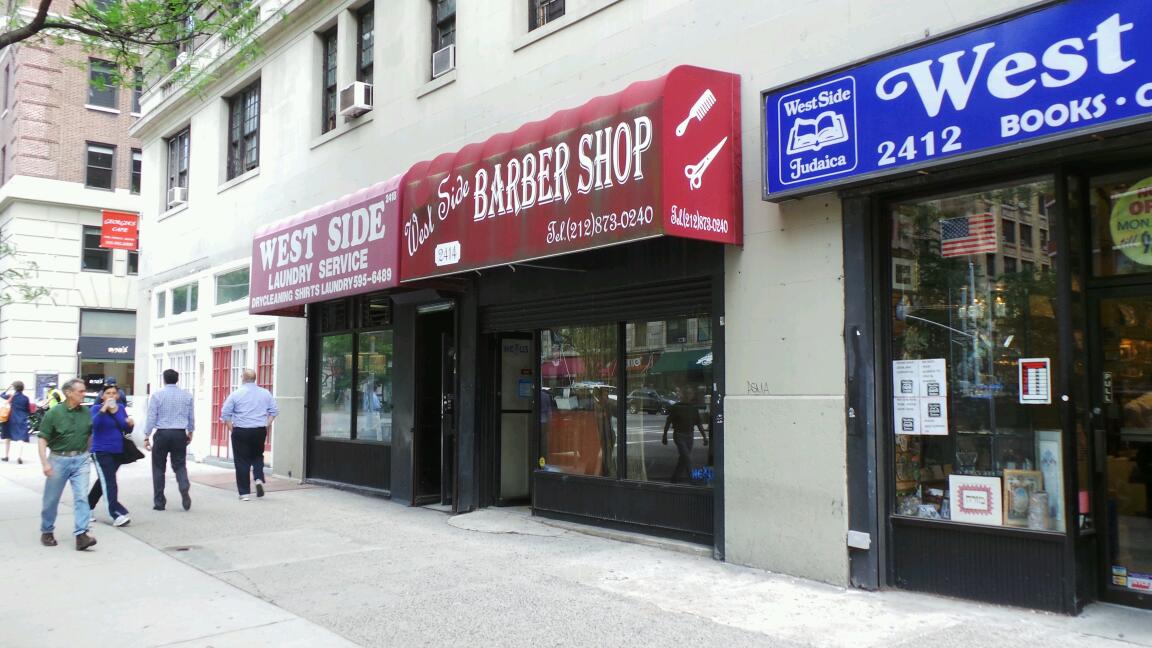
x=977 y=429
x=668 y=398
x=374 y=387
x=336 y=386
x=1121 y=208
x=578 y=400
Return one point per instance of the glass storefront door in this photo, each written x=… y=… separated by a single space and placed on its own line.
x=1123 y=414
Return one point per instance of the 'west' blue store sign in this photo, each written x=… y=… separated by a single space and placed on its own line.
x=1077 y=66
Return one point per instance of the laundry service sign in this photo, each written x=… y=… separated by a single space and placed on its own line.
x=1069 y=68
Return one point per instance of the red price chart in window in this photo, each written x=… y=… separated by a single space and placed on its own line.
x=1035 y=381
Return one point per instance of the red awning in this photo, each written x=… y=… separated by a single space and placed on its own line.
x=661 y=157
x=562 y=367
x=346 y=246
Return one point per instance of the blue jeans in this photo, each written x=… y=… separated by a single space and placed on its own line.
x=73 y=470
x=107 y=464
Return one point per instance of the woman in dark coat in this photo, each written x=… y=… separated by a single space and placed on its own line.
x=16 y=427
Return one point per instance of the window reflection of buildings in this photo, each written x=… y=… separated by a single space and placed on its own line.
x=647 y=341
x=1028 y=249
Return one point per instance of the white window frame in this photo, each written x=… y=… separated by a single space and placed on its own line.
x=184 y=362
x=239 y=362
x=193 y=285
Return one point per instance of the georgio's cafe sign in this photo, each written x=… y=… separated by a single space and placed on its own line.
x=1064 y=69
x=661 y=157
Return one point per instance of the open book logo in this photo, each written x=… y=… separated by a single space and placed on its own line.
x=826 y=129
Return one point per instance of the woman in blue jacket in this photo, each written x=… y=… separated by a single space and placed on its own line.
x=16 y=427
x=109 y=423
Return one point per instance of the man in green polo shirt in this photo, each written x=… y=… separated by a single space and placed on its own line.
x=67 y=432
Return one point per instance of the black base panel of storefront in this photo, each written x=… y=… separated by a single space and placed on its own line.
x=362 y=464
x=989 y=564
x=634 y=506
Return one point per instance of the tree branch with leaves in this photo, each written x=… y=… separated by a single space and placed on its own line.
x=15 y=278
x=159 y=37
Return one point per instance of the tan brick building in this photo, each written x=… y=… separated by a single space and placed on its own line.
x=65 y=155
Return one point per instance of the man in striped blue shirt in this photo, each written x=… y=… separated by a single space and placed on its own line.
x=171 y=422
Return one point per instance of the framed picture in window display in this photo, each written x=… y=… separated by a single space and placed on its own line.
x=1050 y=462
x=976 y=499
x=954 y=313
x=1019 y=486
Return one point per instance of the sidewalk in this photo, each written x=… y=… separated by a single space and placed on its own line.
x=301 y=564
x=121 y=592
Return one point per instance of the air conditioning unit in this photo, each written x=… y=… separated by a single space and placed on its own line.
x=177 y=196
x=443 y=61
x=356 y=99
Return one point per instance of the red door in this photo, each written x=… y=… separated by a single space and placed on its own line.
x=265 y=359
x=221 y=388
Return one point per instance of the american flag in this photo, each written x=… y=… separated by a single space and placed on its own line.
x=968 y=235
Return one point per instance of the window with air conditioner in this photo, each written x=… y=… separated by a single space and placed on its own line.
x=355 y=99
x=443 y=37
x=178 y=158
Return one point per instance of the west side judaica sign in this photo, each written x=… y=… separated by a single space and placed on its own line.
x=1076 y=66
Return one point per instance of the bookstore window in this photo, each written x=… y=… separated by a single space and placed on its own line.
x=977 y=436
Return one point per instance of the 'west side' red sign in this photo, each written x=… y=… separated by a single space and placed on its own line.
x=344 y=247
x=119 y=230
x=662 y=157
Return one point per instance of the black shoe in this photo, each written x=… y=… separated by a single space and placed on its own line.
x=259 y=489
x=47 y=539
x=83 y=541
x=19 y=460
x=157 y=508
x=186 y=500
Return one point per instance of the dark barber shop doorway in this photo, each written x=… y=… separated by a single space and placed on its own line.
x=434 y=451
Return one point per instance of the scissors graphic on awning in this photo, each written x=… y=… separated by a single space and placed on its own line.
x=695 y=171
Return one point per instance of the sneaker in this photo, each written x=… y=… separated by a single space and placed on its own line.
x=84 y=541
x=47 y=539
x=121 y=520
x=259 y=488
x=245 y=498
x=186 y=500
x=19 y=460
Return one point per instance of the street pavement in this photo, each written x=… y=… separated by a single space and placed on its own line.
x=317 y=567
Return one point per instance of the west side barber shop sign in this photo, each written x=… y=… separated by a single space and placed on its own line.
x=1070 y=68
x=659 y=158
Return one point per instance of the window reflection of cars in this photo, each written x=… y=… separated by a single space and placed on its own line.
x=578 y=396
x=649 y=401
